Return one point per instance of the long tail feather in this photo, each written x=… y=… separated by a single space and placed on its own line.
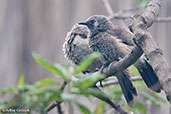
x=127 y=87
x=149 y=76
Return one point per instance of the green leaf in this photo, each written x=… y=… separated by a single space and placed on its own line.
x=87 y=62
x=41 y=91
x=20 y=82
x=140 y=107
x=94 y=92
x=56 y=69
x=41 y=97
x=46 y=82
x=84 y=109
x=9 y=90
x=88 y=81
x=67 y=96
x=55 y=96
x=115 y=93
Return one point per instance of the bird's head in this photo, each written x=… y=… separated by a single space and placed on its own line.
x=80 y=30
x=97 y=23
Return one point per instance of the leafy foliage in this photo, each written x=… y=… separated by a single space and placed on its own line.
x=56 y=69
x=87 y=62
x=42 y=93
x=88 y=81
x=84 y=109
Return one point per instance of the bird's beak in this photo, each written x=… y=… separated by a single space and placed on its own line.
x=86 y=23
x=83 y=23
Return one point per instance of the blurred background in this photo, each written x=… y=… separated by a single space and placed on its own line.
x=41 y=26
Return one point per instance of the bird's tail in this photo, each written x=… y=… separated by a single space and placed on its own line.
x=127 y=87
x=148 y=75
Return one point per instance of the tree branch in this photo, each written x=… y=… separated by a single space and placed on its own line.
x=59 y=109
x=124 y=63
x=114 y=82
x=122 y=17
x=117 y=107
x=138 y=24
x=51 y=107
x=163 y=19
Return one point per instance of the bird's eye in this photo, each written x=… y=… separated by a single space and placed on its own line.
x=93 y=21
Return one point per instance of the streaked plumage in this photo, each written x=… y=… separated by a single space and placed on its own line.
x=114 y=43
x=76 y=48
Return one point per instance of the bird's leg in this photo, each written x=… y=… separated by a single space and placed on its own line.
x=101 y=85
x=101 y=71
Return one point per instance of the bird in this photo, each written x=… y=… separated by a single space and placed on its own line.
x=76 y=48
x=114 y=43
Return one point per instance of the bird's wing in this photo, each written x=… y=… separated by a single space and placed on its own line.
x=121 y=48
x=122 y=34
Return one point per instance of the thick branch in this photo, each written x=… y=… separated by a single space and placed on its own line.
x=151 y=12
x=138 y=25
x=123 y=63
